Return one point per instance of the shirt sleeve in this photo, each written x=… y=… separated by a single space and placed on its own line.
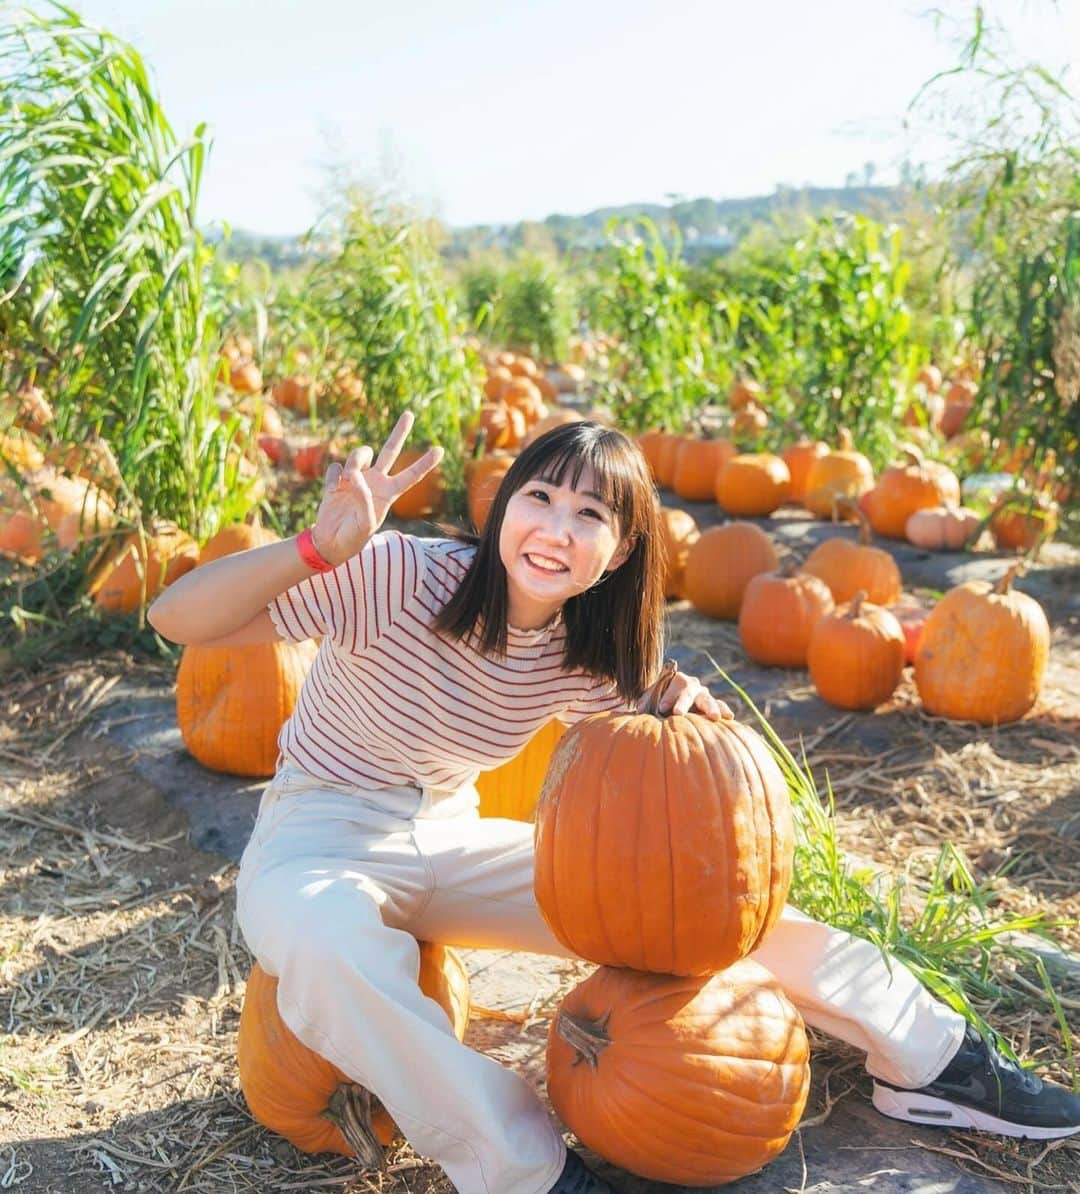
x=354 y=603
x=601 y=697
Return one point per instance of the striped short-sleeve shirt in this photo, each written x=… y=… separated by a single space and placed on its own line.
x=389 y=701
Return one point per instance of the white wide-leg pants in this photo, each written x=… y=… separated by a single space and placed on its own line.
x=338 y=884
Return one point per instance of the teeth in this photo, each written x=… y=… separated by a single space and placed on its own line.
x=547 y=565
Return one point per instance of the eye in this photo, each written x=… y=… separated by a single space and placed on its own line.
x=537 y=493
x=594 y=513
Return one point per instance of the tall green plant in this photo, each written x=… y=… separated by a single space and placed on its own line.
x=1013 y=198
x=662 y=363
x=100 y=206
x=387 y=306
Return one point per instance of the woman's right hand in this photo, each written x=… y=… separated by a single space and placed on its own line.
x=359 y=494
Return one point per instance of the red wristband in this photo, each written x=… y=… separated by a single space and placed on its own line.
x=309 y=553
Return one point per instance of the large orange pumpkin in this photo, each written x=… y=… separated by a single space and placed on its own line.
x=847 y=567
x=679 y=533
x=753 y=485
x=513 y=789
x=666 y=457
x=844 y=473
x=902 y=489
x=691 y=1081
x=856 y=655
x=231 y=702
x=303 y=1097
x=983 y=653
x=720 y=564
x=778 y=615
x=690 y=840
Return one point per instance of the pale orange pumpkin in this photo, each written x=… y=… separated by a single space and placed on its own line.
x=745 y=392
x=293 y=1091
x=778 y=615
x=959 y=403
x=688 y=824
x=496 y=380
x=856 y=655
x=753 y=485
x=983 y=653
x=679 y=533
x=689 y=1081
x=843 y=473
x=513 y=789
x=720 y=565
x=245 y=378
x=942 y=528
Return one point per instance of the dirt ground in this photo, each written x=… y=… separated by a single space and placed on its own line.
x=122 y=969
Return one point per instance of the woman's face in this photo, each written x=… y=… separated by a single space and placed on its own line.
x=556 y=542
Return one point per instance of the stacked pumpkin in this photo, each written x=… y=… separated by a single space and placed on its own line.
x=297 y=1093
x=695 y=1065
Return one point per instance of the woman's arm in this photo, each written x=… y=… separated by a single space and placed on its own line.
x=227 y=599
x=224 y=603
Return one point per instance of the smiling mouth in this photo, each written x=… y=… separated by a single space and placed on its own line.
x=542 y=564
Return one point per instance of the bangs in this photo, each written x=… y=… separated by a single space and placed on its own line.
x=611 y=465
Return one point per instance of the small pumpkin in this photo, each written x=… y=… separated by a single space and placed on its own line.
x=557 y=417
x=1020 y=521
x=753 y=485
x=745 y=392
x=778 y=615
x=690 y=839
x=245 y=378
x=293 y=1091
x=483 y=477
x=293 y=393
x=983 y=653
x=513 y=789
x=915 y=484
x=720 y=565
x=679 y=533
x=959 y=403
x=856 y=655
x=847 y=567
x=689 y=1081
x=911 y=614
x=697 y=463
x=424 y=499
x=496 y=379
x=843 y=473
x=799 y=457
x=942 y=528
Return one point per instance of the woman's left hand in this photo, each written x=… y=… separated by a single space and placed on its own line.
x=687 y=694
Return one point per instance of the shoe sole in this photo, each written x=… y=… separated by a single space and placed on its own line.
x=924 y=1109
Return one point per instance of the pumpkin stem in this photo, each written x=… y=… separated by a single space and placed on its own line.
x=654 y=694
x=588 y=1037
x=349 y=1110
x=1005 y=583
x=845 y=440
x=911 y=454
x=855 y=609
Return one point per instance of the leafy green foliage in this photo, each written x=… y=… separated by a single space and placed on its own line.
x=662 y=356
x=386 y=305
x=100 y=223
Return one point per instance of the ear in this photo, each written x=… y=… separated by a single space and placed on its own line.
x=622 y=554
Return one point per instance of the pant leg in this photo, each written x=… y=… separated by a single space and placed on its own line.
x=846 y=987
x=325 y=905
x=841 y=984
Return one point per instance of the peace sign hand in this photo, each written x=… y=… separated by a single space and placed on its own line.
x=359 y=494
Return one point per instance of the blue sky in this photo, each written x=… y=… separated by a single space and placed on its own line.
x=493 y=111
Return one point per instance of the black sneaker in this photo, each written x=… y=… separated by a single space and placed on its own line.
x=578 y=1178
x=982 y=1089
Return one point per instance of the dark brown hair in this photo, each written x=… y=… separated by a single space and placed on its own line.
x=614 y=629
